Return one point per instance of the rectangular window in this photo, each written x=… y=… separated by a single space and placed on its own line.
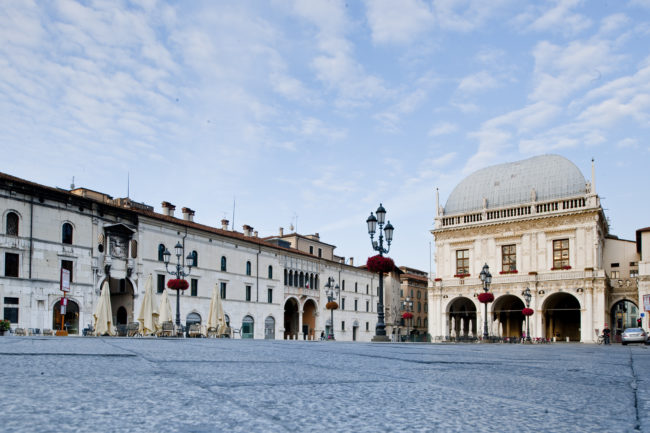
x=11 y=265
x=67 y=264
x=11 y=301
x=343 y=285
x=634 y=273
x=311 y=249
x=222 y=286
x=615 y=265
x=161 y=283
x=248 y=293
x=342 y=303
x=195 y=287
x=401 y=293
x=419 y=294
x=356 y=304
x=367 y=306
x=367 y=289
x=269 y=295
x=560 y=253
x=355 y=288
x=367 y=326
x=462 y=262
x=320 y=252
x=615 y=274
x=634 y=263
x=11 y=309
x=342 y=325
x=508 y=258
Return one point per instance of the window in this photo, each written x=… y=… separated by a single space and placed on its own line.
x=508 y=258
x=195 y=257
x=11 y=309
x=161 y=283
x=11 y=265
x=412 y=294
x=194 y=289
x=426 y=308
x=355 y=288
x=343 y=285
x=248 y=268
x=342 y=325
x=286 y=278
x=615 y=265
x=419 y=308
x=311 y=249
x=419 y=294
x=320 y=252
x=223 y=263
x=356 y=304
x=419 y=323
x=367 y=289
x=401 y=293
x=269 y=295
x=426 y=323
x=270 y=272
x=462 y=262
x=66 y=233
x=134 y=249
x=161 y=252
x=367 y=306
x=367 y=326
x=560 y=253
x=634 y=263
x=67 y=264
x=342 y=303
x=12 y=224
x=222 y=286
x=634 y=273
x=615 y=274
x=248 y=293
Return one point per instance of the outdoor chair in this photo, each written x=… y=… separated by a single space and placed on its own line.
x=133 y=329
x=212 y=333
x=47 y=331
x=20 y=331
x=195 y=330
x=167 y=329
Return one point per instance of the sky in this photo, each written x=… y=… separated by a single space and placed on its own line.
x=311 y=113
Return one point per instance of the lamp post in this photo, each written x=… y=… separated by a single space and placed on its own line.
x=332 y=291
x=407 y=307
x=179 y=272
x=372 y=221
x=486 y=278
x=527 y=297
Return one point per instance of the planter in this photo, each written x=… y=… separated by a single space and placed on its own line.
x=2 y=332
x=380 y=264
x=485 y=297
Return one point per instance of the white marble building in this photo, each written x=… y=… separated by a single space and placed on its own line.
x=538 y=224
x=270 y=288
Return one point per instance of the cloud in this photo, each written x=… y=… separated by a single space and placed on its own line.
x=443 y=129
x=558 y=18
x=629 y=143
x=398 y=22
x=466 y=15
x=477 y=82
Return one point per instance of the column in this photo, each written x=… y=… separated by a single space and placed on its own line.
x=300 y=313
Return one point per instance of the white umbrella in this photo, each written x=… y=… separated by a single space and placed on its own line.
x=148 y=316
x=165 y=309
x=216 y=316
x=103 y=314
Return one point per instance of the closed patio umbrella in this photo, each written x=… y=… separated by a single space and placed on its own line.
x=103 y=314
x=216 y=317
x=165 y=309
x=148 y=317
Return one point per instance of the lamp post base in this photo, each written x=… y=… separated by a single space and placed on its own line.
x=380 y=339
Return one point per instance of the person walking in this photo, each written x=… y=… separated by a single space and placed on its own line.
x=606 y=332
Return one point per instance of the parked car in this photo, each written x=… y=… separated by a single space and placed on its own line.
x=633 y=335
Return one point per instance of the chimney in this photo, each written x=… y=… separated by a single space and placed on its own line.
x=188 y=214
x=255 y=233
x=168 y=208
x=224 y=224
x=351 y=261
x=281 y=231
x=317 y=236
x=247 y=229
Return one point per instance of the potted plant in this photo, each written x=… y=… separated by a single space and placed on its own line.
x=5 y=325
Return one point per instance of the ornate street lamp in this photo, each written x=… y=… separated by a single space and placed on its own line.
x=407 y=307
x=179 y=273
x=373 y=222
x=332 y=291
x=486 y=278
x=527 y=297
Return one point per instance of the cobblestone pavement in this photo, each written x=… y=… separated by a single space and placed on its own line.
x=206 y=385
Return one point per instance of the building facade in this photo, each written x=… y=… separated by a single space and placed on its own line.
x=537 y=224
x=271 y=288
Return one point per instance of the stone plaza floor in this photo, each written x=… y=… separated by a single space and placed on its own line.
x=207 y=385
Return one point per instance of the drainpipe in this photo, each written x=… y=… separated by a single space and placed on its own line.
x=31 y=236
x=257 y=272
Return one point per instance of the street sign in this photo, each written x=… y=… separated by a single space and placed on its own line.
x=642 y=314
x=646 y=302
x=65 y=280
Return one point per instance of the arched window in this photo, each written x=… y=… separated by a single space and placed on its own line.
x=195 y=257
x=223 y=263
x=419 y=322
x=12 y=224
x=270 y=272
x=286 y=278
x=247 y=327
x=66 y=233
x=426 y=323
x=311 y=282
x=316 y=282
x=248 y=268
x=291 y=278
x=301 y=283
x=161 y=251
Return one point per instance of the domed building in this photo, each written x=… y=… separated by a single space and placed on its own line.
x=538 y=225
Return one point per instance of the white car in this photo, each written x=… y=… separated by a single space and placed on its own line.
x=633 y=335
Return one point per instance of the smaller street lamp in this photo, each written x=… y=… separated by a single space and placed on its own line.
x=486 y=278
x=332 y=291
x=407 y=307
x=527 y=297
x=178 y=272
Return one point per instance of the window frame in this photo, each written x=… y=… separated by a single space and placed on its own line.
x=224 y=264
x=12 y=256
x=462 y=262
x=248 y=289
x=194 y=287
x=160 y=283
x=560 y=246
x=249 y=268
x=223 y=289
x=67 y=236
x=8 y=226
x=508 y=258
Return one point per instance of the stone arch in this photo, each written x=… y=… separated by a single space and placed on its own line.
x=461 y=318
x=623 y=314
x=561 y=316
x=291 y=318
x=122 y=295
x=507 y=316
x=71 y=318
x=269 y=327
x=309 y=313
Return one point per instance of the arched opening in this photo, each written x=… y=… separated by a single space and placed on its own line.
x=562 y=317
x=308 y=320
x=247 y=327
x=461 y=319
x=269 y=328
x=71 y=318
x=66 y=233
x=624 y=314
x=191 y=319
x=507 y=317
x=121 y=317
x=12 y=224
x=286 y=278
x=291 y=319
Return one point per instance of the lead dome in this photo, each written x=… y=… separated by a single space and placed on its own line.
x=551 y=176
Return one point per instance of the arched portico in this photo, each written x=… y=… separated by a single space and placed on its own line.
x=507 y=316
x=461 y=318
x=308 y=319
x=623 y=314
x=291 y=318
x=122 y=295
x=561 y=313
x=71 y=319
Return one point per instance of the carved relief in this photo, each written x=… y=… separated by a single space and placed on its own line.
x=119 y=247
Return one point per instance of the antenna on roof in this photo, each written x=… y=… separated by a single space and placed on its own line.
x=128 y=184
x=72 y=184
x=233 y=212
